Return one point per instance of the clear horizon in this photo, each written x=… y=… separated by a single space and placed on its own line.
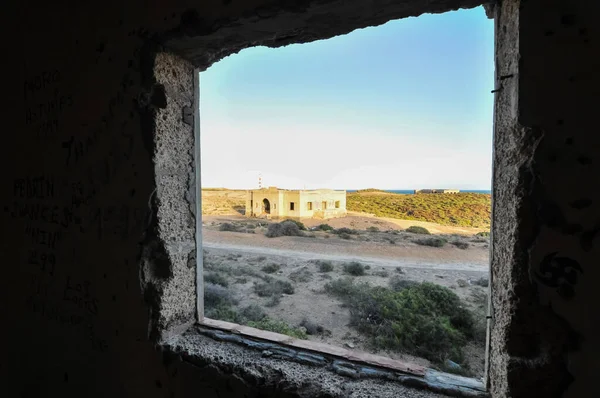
x=407 y=103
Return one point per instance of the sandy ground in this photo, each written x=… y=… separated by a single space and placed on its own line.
x=247 y=253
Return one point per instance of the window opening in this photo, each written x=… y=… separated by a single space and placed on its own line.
x=379 y=210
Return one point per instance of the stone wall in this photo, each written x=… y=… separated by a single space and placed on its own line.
x=97 y=200
x=545 y=211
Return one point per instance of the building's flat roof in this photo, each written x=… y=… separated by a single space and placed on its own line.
x=299 y=190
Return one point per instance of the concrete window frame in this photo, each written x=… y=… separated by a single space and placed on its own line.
x=168 y=266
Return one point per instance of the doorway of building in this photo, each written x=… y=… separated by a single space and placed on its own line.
x=267 y=206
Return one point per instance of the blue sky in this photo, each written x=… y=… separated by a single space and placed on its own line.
x=404 y=105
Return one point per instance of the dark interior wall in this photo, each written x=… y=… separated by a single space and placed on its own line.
x=89 y=124
x=546 y=213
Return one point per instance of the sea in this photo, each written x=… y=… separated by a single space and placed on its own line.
x=412 y=191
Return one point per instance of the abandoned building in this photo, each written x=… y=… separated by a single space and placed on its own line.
x=283 y=203
x=447 y=191
x=102 y=280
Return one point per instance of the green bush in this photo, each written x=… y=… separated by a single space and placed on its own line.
x=483 y=282
x=460 y=245
x=215 y=295
x=272 y=325
x=270 y=268
x=253 y=313
x=382 y=273
x=273 y=287
x=223 y=312
x=302 y=275
x=345 y=236
x=373 y=229
x=483 y=234
x=418 y=230
x=300 y=225
x=284 y=228
x=228 y=227
x=343 y=288
x=433 y=242
x=324 y=227
x=426 y=320
x=345 y=230
x=324 y=266
x=396 y=283
x=354 y=268
x=216 y=279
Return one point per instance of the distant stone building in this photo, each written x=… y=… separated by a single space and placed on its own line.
x=273 y=202
x=437 y=191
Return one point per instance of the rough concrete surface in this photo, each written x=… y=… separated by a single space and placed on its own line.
x=255 y=369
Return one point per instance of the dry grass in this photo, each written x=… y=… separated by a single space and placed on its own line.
x=463 y=209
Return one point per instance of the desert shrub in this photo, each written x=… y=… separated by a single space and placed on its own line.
x=216 y=279
x=399 y=270
x=396 y=283
x=270 y=268
x=418 y=230
x=311 y=327
x=324 y=266
x=272 y=325
x=252 y=313
x=273 y=301
x=228 y=227
x=382 y=273
x=345 y=230
x=300 y=225
x=483 y=234
x=324 y=227
x=480 y=300
x=460 y=245
x=284 y=228
x=301 y=276
x=343 y=287
x=273 y=287
x=392 y=241
x=483 y=282
x=354 y=268
x=345 y=236
x=261 y=258
x=373 y=229
x=433 y=242
x=223 y=312
x=217 y=295
x=426 y=320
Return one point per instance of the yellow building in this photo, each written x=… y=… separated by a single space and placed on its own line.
x=273 y=202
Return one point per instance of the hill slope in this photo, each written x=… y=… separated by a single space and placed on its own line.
x=462 y=209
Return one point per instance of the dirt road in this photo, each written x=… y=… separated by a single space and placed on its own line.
x=335 y=255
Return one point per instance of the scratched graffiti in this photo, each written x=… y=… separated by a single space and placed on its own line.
x=560 y=273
